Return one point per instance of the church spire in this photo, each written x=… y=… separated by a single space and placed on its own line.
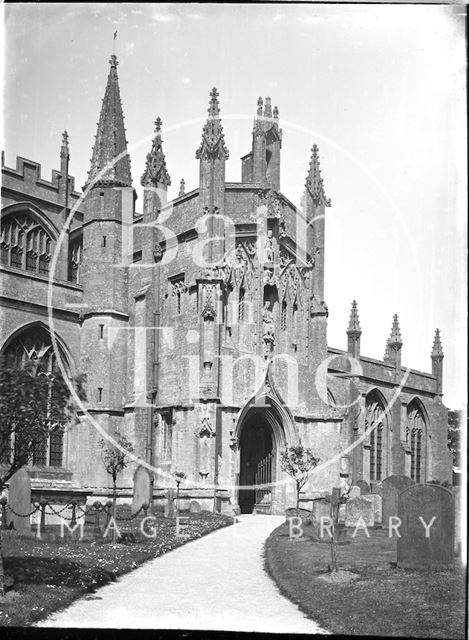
x=156 y=173
x=110 y=142
x=213 y=139
x=314 y=181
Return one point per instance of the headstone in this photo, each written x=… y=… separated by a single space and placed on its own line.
x=363 y=486
x=354 y=492
x=418 y=548
x=376 y=487
x=142 y=488
x=457 y=519
x=376 y=501
x=19 y=499
x=321 y=509
x=391 y=487
x=169 y=511
x=194 y=507
x=357 y=508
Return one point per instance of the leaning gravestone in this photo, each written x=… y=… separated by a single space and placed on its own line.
x=391 y=487
x=354 y=492
x=142 y=488
x=19 y=499
x=420 y=547
x=363 y=486
x=358 y=508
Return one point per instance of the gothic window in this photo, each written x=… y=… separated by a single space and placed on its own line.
x=166 y=436
x=34 y=344
x=375 y=421
x=25 y=244
x=178 y=288
x=416 y=433
x=283 y=317
x=74 y=260
x=241 y=305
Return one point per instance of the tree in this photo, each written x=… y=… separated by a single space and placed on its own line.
x=454 y=435
x=116 y=458
x=33 y=404
x=298 y=461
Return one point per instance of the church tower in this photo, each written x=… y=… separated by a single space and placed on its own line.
x=109 y=210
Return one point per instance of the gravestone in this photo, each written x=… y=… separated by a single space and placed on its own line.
x=321 y=509
x=376 y=487
x=142 y=488
x=354 y=492
x=19 y=499
x=169 y=511
x=357 y=508
x=418 y=548
x=391 y=487
x=363 y=486
x=376 y=501
x=194 y=507
x=457 y=519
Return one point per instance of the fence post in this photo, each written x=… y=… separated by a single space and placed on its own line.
x=74 y=513
x=43 y=504
x=3 y=501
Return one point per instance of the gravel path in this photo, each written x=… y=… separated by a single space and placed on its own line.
x=215 y=583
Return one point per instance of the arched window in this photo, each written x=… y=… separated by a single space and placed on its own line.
x=283 y=318
x=375 y=421
x=35 y=344
x=25 y=244
x=415 y=434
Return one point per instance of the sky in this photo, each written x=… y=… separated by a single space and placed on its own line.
x=380 y=88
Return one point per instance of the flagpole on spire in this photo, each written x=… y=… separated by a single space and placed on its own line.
x=114 y=43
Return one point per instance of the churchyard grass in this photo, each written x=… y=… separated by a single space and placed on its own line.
x=383 y=601
x=50 y=575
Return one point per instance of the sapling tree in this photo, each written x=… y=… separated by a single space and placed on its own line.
x=298 y=461
x=116 y=458
x=179 y=476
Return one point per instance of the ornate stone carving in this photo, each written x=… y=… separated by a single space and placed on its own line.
x=269 y=253
x=318 y=307
x=208 y=302
x=268 y=328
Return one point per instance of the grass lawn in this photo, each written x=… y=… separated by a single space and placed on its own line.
x=383 y=601
x=50 y=575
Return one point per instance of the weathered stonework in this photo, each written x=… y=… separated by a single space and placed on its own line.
x=204 y=352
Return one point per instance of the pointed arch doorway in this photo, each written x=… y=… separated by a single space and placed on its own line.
x=256 y=468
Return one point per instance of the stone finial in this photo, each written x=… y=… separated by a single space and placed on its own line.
x=260 y=104
x=156 y=173
x=213 y=139
x=387 y=351
x=214 y=106
x=267 y=108
x=314 y=181
x=395 y=339
x=110 y=141
x=182 y=187
x=354 y=322
x=276 y=112
x=64 y=149
x=437 y=350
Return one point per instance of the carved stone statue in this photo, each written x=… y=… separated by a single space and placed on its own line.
x=268 y=323
x=269 y=247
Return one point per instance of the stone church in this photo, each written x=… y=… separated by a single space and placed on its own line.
x=201 y=326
